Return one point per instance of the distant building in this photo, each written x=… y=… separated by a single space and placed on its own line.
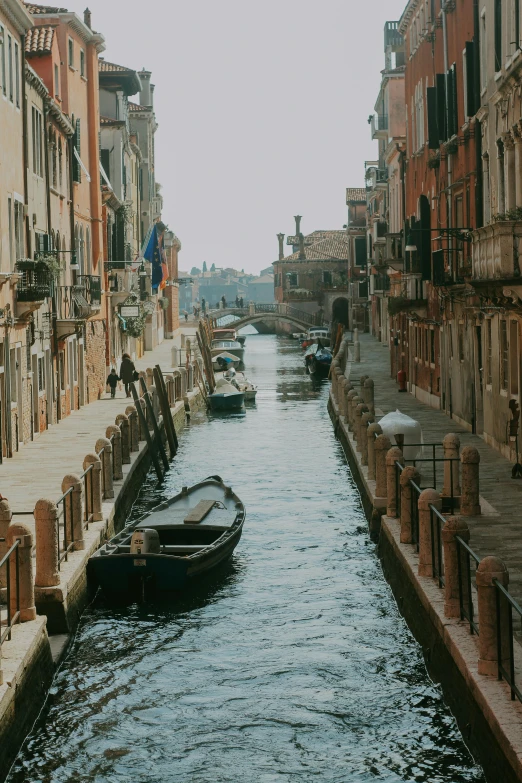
x=261 y=289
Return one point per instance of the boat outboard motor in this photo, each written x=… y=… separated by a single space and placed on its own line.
x=145 y=542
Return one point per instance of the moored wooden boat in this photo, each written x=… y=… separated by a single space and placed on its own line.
x=226 y=397
x=178 y=542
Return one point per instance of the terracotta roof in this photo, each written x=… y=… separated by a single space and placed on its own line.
x=106 y=121
x=39 y=40
x=107 y=67
x=137 y=107
x=355 y=194
x=45 y=9
x=331 y=249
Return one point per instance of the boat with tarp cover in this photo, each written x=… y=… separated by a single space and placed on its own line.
x=174 y=545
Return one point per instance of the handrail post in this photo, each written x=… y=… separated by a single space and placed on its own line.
x=393 y=456
x=22 y=583
x=122 y=421
x=349 y=397
x=134 y=430
x=359 y=410
x=5 y=520
x=94 y=509
x=492 y=616
x=373 y=430
x=106 y=445
x=113 y=433
x=427 y=498
x=368 y=394
x=455 y=526
x=47 y=543
x=409 y=474
x=73 y=481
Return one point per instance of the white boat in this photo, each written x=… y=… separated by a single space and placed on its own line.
x=245 y=386
x=230 y=346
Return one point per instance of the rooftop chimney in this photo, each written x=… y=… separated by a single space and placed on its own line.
x=302 y=254
x=281 y=238
x=87 y=18
x=145 y=92
x=297 y=219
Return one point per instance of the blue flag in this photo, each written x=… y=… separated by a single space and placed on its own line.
x=154 y=254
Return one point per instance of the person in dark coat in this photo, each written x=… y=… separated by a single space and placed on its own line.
x=112 y=381
x=127 y=370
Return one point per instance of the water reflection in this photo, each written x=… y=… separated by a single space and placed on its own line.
x=292 y=665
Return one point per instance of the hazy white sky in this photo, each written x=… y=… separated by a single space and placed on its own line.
x=262 y=110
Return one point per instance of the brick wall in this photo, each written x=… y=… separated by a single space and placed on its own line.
x=95 y=368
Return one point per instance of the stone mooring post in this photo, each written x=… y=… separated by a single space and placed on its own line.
x=392 y=484
x=427 y=498
x=373 y=431
x=489 y=569
x=73 y=510
x=451 y=451
x=382 y=447
x=366 y=420
x=46 y=526
x=455 y=526
x=408 y=496
x=358 y=432
x=368 y=394
x=122 y=421
x=25 y=572
x=5 y=520
x=94 y=503
x=470 y=496
x=114 y=432
x=106 y=460
x=134 y=427
x=349 y=397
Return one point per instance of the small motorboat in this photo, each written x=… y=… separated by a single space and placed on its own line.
x=225 y=360
x=226 y=397
x=230 y=346
x=318 y=359
x=173 y=545
x=316 y=333
x=243 y=384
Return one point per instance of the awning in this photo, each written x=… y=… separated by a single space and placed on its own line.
x=104 y=175
x=82 y=165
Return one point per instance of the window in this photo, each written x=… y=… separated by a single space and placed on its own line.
x=461 y=341
x=19 y=230
x=426 y=345
x=56 y=82
x=17 y=73
x=2 y=60
x=513 y=356
x=292 y=279
x=504 y=356
x=13 y=375
x=489 y=353
x=360 y=251
x=450 y=339
x=516 y=23
x=82 y=63
x=41 y=374
x=10 y=65
x=71 y=53
x=432 y=346
x=498 y=35
x=37 y=142
x=61 y=363
x=327 y=278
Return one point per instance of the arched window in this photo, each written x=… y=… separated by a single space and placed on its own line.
x=53 y=245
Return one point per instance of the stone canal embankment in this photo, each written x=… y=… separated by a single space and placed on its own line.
x=63 y=498
x=457 y=602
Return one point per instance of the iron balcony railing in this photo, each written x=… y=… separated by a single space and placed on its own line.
x=77 y=302
x=35 y=282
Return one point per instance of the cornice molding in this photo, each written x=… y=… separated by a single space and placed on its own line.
x=17 y=15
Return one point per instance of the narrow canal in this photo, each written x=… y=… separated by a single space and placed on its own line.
x=294 y=665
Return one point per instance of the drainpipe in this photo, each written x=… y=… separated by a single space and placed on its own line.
x=479 y=191
x=25 y=146
x=449 y=157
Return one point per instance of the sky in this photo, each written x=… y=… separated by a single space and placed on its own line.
x=262 y=111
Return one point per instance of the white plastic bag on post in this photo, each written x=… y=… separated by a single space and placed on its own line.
x=397 y=423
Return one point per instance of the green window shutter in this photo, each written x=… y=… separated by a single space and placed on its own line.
x=441 y=107
x=77 y=171
x=433 y=126
x=470 y=79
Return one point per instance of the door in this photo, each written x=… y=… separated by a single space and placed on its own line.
x=35 y=395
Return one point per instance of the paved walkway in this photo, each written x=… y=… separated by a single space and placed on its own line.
x=498 y=531
x=37 y=470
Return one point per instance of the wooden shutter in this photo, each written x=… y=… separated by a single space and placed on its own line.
x=105 y=157
x=360 y=251
x=77 y=171
x=470 y=78
x=441 y=107
x=433 y=126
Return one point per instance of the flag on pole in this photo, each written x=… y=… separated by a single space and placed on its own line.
x=155 y=253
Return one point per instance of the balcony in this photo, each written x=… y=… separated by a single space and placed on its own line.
x=380 y=283
x=495 y=251
x=35 y=284
x=379 y=126
x=122 y=280
x=393 y=253
x=76 y=303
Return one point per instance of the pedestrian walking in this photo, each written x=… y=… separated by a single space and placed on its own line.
x=203 y=305
x=224 y=301
x=241 y=303
x=112 y=382
x=127 y=371
x=237 y=300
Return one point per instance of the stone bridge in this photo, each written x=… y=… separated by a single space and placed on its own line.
x=267 y=314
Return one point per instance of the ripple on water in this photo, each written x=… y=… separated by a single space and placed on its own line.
x=293 y=664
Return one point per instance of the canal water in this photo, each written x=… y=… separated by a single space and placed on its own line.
x=292 y=665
